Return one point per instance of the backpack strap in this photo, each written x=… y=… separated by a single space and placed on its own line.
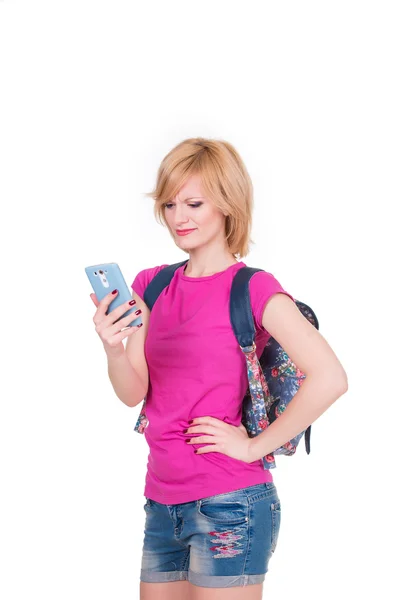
x=240 y=311
x=240 y=307
x=159 y=282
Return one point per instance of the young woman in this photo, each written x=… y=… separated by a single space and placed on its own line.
x=212 y=510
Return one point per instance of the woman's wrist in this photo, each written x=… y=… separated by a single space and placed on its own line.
x=114 y=354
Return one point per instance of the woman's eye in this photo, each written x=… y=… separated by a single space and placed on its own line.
x=196 y=205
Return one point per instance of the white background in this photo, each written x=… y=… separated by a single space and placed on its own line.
x=93 y=94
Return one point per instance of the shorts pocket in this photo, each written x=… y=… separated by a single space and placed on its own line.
x=276 y=523
x=224 y=512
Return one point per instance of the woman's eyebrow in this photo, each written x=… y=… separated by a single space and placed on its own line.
x=192 y=198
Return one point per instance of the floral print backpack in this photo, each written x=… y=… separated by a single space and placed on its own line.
x=273 y=379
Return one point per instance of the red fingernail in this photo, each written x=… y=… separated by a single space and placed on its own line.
x=137 y=312
x=115 y=291
x=132 y=302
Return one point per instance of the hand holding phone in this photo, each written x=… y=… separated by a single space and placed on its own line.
x=110 y=324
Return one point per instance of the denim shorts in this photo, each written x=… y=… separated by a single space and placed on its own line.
x=222 y=541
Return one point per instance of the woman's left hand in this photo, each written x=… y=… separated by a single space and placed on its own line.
x=227 y=439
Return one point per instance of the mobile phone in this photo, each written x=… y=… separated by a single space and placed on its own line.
x=105 y=278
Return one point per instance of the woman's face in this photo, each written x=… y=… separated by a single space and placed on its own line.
x=190 y=209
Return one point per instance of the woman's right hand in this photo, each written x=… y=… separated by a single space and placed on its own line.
x=106 y=326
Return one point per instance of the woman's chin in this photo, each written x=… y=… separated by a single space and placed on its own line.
x=185 y=245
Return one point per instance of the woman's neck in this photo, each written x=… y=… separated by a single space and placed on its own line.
x=197 y=269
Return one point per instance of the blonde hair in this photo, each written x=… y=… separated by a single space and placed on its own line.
x=224 y=179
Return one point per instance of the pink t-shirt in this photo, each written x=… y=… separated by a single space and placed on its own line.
x=196 y=369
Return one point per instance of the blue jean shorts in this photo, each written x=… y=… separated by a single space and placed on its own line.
x=224 y=540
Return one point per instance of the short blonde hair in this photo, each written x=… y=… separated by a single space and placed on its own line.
x=224 y=179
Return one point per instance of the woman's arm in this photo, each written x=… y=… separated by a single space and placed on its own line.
x=127 y=384
x=128 y=372
x=325 y=382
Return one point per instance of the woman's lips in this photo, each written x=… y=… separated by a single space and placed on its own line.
x=184 y=231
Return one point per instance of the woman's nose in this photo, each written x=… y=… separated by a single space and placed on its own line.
x=180 y=216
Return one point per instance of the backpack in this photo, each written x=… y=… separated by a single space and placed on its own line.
x=273 y=379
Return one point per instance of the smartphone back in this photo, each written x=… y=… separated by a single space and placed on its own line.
x=106 y=277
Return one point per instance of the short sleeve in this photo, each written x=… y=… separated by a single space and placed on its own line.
x=263 y=286
x=143 y=279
